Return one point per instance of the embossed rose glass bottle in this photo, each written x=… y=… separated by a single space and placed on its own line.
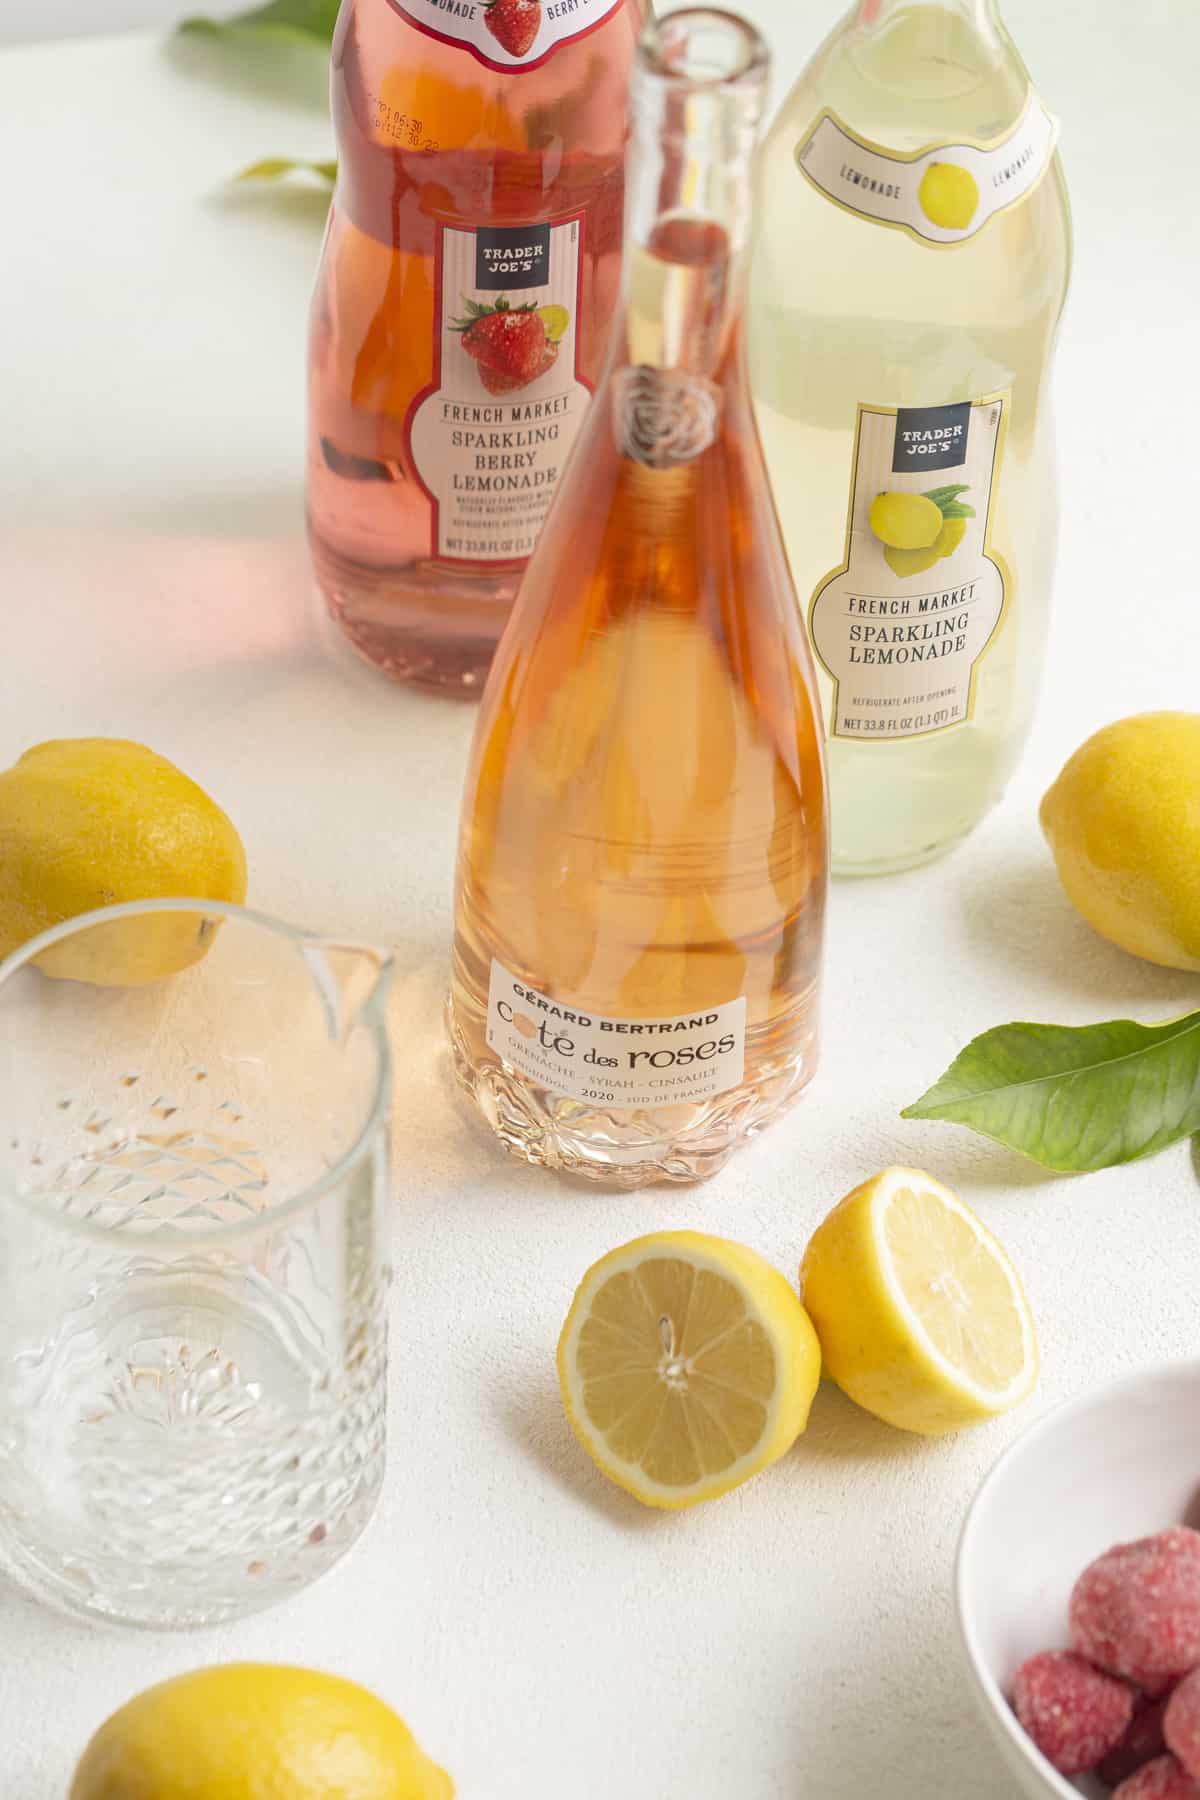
x=463 y=308
x=642 y=866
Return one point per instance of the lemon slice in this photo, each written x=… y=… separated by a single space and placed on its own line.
x=687 y=1364
x=919 y=1311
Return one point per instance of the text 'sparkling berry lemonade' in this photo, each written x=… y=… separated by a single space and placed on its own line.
x=468 y=284
x=910 y=274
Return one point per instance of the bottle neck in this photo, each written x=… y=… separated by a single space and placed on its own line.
x=698 y=95
x=873 y=15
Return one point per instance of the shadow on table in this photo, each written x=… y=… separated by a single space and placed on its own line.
x=263 y=67
x=302 y=202
x=21 y=1616
x=840 y=1432
x=1019 y=914
x=972 y=1164
x=538 y=1426
x=229 y=511
x=900 y=1723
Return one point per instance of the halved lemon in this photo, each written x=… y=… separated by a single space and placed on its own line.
x=687 y=1364
x=920 y=1314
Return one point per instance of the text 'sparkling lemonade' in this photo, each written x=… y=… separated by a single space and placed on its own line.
x=910 y=273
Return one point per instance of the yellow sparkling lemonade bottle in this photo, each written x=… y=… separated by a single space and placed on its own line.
x=911 y=269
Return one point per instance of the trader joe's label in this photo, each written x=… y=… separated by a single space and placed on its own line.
x=943 y=194
x=489 y=437
x=507 y=34
x=615 y=1062
x=902 y=626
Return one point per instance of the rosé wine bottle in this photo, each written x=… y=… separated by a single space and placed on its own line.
x=642 y=864
x=468 y=282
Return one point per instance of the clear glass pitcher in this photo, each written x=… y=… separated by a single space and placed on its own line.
x=192 y=1276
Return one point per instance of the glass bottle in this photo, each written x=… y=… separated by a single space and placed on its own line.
x=905 y=298
x=462 y=311
x=642 y=865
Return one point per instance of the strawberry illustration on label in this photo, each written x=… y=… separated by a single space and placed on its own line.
x=511 y=346
x=513 y=23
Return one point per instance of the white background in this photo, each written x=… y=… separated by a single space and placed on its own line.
x=27 y=21
x=544 y=1636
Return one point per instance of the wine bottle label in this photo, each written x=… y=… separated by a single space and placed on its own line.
x=940 y=195
x=902 y=626
x=507 y=34
x=488 y=437
x=615 y=1062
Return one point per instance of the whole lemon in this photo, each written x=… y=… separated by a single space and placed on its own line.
x=949 y=195
x=88 y=822
x=1123 y=821
x=905 y=521
x=257 y=1731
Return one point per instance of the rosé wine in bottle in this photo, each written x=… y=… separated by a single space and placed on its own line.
x=642 y=866
x=467 y=288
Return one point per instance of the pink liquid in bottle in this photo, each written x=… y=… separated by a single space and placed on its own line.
x=468 y=282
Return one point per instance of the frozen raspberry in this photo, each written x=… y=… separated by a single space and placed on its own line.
x=1142 y=1742
x=1181 y=1724
x=1163 y=1779
x=1135 y=1611
x=1074 y=1714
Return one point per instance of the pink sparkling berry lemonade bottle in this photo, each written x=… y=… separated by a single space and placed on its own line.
x=467 y=284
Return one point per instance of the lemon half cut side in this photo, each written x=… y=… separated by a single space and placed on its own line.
x=920 y=1313
x=687 y=1365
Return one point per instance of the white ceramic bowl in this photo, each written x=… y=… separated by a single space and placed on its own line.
x=1119 y=1463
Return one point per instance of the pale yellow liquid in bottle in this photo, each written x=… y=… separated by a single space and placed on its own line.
x=846 y=311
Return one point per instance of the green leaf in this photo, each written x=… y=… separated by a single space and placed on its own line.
x=275 y=168
x=1075 y=1097
x=292 y=18
x=947 y=502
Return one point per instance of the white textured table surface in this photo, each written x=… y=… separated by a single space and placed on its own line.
x=543 y=1635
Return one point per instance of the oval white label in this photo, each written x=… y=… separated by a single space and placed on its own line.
x=941 y=195
x=507 y=34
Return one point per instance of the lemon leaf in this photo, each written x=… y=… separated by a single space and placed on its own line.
x=291 y=18
x=275 y=168
x=947 y=501
x=1075 y=1098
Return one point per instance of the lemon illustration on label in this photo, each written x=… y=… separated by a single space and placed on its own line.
x=910 y=562
x=949 y=195
x=950 y=537
x=555 y=319
x=918 y=530
x=905 y=521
